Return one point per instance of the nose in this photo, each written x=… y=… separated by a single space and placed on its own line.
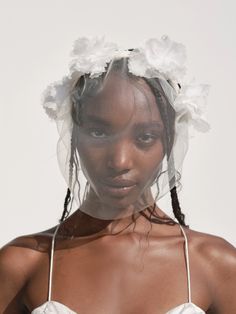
x=120 y=157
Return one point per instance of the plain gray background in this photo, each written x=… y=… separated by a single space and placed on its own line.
x=36 y=39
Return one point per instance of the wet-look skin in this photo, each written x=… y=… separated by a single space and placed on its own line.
x=118 y=266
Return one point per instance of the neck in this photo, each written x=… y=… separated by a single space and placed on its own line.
x=87 y=220
x=100 y=208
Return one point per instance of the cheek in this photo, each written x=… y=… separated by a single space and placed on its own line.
x=153 y=156
x=150 y=161
x=91 y=158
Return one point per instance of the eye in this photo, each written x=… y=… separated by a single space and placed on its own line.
x=147 y=137
x=97 y=133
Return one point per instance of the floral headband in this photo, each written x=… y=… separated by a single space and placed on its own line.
x=162 y=58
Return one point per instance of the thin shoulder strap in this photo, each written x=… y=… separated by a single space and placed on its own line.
x=187 y=263
x=51 y=263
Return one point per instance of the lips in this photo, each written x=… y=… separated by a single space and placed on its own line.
x=118 y=188
x=119 y=183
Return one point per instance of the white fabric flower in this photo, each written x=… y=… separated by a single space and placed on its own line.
x=190 y=106
x=91 y=55
x=159 y=56
x=138 y=63
x=56 y=98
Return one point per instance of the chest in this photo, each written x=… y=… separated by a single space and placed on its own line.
x=118 y=278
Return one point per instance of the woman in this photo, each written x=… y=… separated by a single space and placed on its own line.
x=123 y=117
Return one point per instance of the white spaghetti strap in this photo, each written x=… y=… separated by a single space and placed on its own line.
x=187 y=262
x=51 y=263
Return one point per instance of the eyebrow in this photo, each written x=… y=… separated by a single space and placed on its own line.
x=101 y=121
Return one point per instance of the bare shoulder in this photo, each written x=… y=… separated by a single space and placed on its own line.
x=18 y=260
x=29 y=244
x=212 y=248
x=217 y=259
x=24 y=251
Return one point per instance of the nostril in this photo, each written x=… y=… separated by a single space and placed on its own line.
x=119 y=165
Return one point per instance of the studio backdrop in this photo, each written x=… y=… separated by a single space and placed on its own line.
x=36 y=39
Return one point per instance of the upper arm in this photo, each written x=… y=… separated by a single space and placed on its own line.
x=16 y=264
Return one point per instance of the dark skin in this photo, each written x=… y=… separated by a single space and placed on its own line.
x=116 y=266
x=120 y=139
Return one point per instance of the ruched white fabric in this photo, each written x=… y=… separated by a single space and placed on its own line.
x=54 y=307
x=186 y=308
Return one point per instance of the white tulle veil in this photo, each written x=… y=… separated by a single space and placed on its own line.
x=161 y=63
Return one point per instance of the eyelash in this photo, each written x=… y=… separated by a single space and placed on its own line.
x=151 y=136
x=95 y=130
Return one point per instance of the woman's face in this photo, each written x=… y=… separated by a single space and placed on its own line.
x=120 y=141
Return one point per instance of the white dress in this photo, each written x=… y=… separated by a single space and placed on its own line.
x=54 y=307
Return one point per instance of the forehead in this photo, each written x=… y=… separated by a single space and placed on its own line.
x=122 y=99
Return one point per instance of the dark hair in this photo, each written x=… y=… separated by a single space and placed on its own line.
x=168 y=117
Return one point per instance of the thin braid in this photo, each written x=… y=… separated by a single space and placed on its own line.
x=73 y=162
x=176 y=207
x=67 y=200
x=173 y=191
x=163 y=107
x=66 y=203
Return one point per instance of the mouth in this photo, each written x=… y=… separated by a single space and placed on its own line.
x=119 y=188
